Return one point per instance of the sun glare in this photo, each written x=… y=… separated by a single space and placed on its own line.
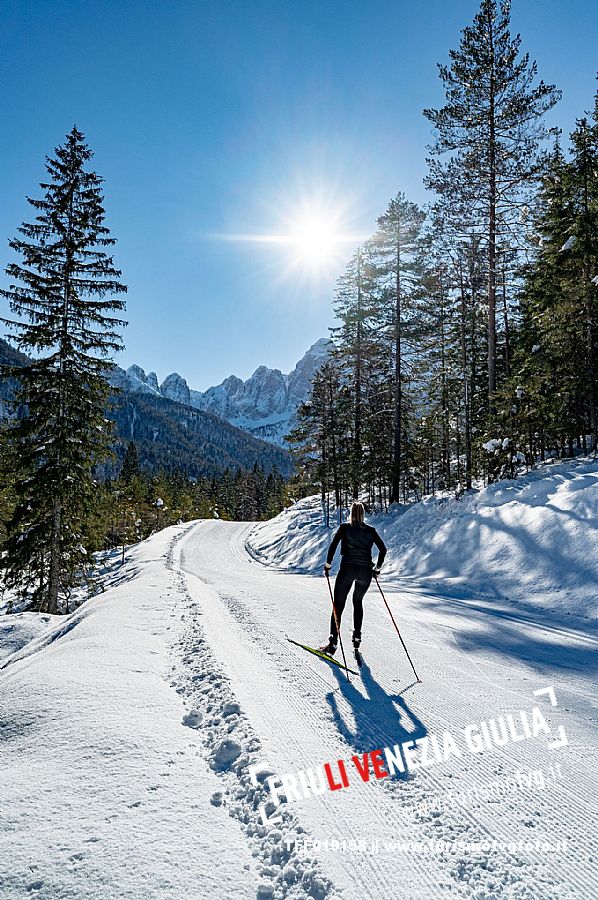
x=312 y=239
x=316 y=238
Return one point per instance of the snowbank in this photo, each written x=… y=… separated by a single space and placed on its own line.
x=533 y=540
x=19 y=629
x=104 y=790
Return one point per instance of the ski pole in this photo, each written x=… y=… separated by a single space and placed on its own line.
x=397 y=629
x=338 y=630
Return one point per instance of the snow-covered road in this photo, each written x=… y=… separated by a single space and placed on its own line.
x=477 y=662
x=128 y=729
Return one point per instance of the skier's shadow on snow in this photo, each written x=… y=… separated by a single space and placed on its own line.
x=380 y=719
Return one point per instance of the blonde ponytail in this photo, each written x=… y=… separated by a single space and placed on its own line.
x=357 y=514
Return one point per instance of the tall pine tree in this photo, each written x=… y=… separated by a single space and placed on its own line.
x=354 y=310
x=489 y=130
x=553 y=395
x=396 y=245
x=64 y=304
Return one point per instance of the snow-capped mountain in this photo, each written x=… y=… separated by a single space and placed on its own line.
x=176 y=388
x=265 y=405
x=170 y=434
x=134 y=379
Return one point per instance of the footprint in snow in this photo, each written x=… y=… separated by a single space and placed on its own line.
x=225 y=753
x=193 y=719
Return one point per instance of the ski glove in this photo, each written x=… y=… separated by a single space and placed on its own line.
x=376 y=571
x=327 y=567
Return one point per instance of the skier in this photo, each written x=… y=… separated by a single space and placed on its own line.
x=356 y=540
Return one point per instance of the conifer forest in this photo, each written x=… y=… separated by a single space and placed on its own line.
x=464 y=347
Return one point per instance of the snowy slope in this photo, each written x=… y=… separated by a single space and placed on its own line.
x=104 y=793
x=533 y=540
x=128 y=728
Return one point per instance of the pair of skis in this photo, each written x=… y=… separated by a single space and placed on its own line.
x=344 y=665
x=327 y=656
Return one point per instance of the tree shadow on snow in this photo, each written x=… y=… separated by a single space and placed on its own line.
x=539 y=651
x=378 y=719
x=540 y=638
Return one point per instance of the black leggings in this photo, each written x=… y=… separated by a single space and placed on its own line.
x=347 y=575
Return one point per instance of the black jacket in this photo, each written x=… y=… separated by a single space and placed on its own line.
x=356 y=545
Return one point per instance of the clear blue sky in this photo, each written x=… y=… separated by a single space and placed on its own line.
x=221 y=116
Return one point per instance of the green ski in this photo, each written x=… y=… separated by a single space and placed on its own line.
x=322 y=655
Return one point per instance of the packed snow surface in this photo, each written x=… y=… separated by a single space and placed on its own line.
x=128 y=729
x=104 y=790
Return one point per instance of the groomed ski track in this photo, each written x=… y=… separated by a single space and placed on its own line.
x=477 y=661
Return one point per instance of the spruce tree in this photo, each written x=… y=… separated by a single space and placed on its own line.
x=274 y=493
x=322 y=431
x=551 y=401
x=583 y=184
x=6 y=487
x=130 y=467
x=546 y=360
x=63 y=302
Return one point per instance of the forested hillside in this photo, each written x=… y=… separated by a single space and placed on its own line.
x=169 y=436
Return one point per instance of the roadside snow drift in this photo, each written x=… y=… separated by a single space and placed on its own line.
x=18 y=629
x=533 y=540
x=104 y=793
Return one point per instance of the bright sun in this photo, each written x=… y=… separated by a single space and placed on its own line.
x=312 y=238
x=316 y=238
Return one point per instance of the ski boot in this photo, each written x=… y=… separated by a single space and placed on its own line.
x=356 y=645
x=330 y=647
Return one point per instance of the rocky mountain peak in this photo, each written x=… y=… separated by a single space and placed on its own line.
x=265 y=405
x=137 y=372
x=174 y=387
x=299 y=380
